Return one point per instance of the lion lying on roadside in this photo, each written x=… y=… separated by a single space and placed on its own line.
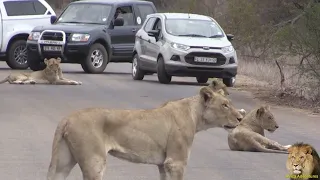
x=162 y=136
x=249 y=135
x=303 y=162
x=52 y=74
x=218 y=86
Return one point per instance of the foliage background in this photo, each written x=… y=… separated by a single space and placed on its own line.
x=277 y=41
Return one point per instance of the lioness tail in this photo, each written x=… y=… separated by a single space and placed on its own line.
x=55 y=148
x=5 y=80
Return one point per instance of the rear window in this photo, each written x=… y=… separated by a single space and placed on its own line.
x=26 y=7
x=145 y=9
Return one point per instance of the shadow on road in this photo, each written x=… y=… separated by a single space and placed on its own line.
x=178 y=83
x=8 y=69
x=112 y=73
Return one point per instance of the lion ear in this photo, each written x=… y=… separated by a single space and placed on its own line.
x=308 y=150
x=58 y=60
x=220 y=91
x=290 y=149
x=214 y=82
x=267 y=107
x=45 y=61
x=206 y=94
x=226 y=91
x=261 y=111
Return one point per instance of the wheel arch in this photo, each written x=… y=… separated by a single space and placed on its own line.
x=21 y=36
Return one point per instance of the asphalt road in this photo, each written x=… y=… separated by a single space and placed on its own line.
x=30 y=113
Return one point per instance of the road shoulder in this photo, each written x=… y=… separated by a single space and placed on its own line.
x=265 y=93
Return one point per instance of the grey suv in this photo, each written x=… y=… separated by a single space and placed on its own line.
x=178 y=44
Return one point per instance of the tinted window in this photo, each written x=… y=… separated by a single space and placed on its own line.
x=127 y=14
x=21 y=8
x=85 y=13
x=149 y=24
x=144 y=11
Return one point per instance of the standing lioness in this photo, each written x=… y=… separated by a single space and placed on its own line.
x=162 y=136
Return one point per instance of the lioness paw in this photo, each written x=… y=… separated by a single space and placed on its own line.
x=242 y=112
x=32 y=82
x=74 y=82
x=287 y=146
x=79 y=82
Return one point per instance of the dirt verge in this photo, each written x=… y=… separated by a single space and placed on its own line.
x=267 y=93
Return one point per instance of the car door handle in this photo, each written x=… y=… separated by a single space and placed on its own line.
x=134 y=30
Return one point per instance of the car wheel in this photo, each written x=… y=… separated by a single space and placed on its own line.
x=229 y=82
x=35 y=63
x=96 y=60
x=17 y=55
x=163 y=77
x=137 y=72
x=202 y=79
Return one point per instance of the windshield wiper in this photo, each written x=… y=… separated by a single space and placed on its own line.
x=69 y=22
x=215 y=36
x=79 y=22
x=192 y=35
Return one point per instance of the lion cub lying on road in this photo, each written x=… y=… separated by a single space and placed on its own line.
x=249 y=135
x=162 y=136
x=52 y=74
x=303 y=161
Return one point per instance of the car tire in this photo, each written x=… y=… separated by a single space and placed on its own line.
x=35 y=63
x=98 y=51
x=163 y=76
x=229 y=82
x=136 y=71
x=202 y=79
x=17 y=55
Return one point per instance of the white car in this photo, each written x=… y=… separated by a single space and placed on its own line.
x=178 y=44
x=17 y=19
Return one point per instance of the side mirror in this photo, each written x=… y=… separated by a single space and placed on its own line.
x=154 y=33
x=53 y=19
x=118 y=22
x=230 y=37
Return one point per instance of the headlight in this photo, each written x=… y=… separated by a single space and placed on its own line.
x=34 y=36
x=80 y=37
x=180 y=46
x=227 y=49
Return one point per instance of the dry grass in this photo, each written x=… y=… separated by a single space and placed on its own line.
x=264 y=80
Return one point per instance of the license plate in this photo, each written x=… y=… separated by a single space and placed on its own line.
x=52 y=48
x=205 y=59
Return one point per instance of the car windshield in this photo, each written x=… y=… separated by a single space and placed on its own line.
x=86 y=13
x=193 y=28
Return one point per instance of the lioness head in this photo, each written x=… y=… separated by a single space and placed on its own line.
x=301 y=159
x=217 y=85
x=266 y=119
x=52 y=63
x=218 y=111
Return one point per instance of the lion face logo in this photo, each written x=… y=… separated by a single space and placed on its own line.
x=301 y=159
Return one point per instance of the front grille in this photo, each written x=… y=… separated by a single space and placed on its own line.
x=221 y=59
x=54 y=36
